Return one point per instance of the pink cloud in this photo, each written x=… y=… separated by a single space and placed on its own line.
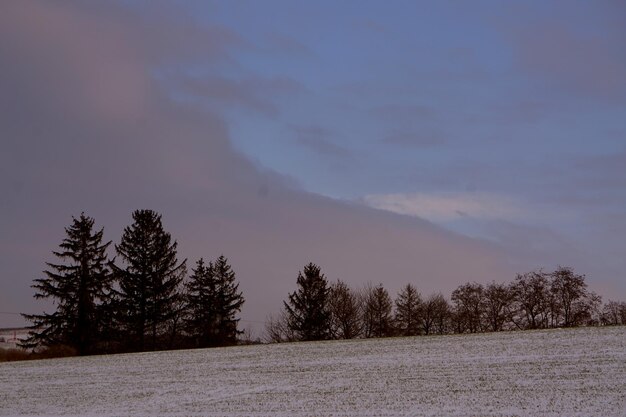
x=62 y=45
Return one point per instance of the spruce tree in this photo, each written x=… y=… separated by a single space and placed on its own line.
x=213 y=300
x=200 y=309
x=408 y=311
x=307 y=310
x=79 y=286
x=228 y=302
x=148 y=293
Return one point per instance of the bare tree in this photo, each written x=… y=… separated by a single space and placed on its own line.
x=408 y=311
x=614 y=313
x=277 y=329
x=468 y=302
x=497 y=305
x=377 y=319
x=442 y=313
x=592 y=315
x=530 y=291
x=345 y=311
x=570 y=291
x=435 y=314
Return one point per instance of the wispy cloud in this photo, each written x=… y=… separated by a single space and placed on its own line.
x=420 y=140
x=319 y=140
x=254 y=93
x=450 y=206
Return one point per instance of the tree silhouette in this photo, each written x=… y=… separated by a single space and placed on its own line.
x=497 y=305
x=435 y=314
x=213 y=300
x=570 y=291
x=345 y=311
x=468 y=300
x=531 y=296
x=377 y=312
x=149 y=296
x=79 y=286
x=408 y=311
x=200 y=312
x=307 y=308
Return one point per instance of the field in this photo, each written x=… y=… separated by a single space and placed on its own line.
x=578 y=372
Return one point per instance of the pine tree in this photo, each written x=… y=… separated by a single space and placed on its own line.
x=307 y=310
x=79 y=287
x=200 y=310
x=228 y=302
x=148 y=295
x=408 y=311
x=213 y=300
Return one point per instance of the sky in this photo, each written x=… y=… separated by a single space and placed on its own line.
x=432 y=143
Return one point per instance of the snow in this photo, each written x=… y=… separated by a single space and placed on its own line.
x=577 y=372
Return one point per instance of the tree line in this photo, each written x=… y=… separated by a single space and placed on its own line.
x=143 y=299
x=319 y=310
x=137 y=301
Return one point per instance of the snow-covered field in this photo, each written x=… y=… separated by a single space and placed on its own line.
x=579 y=372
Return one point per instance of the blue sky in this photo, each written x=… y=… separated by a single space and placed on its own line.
x=431 y=142
x=482 y=101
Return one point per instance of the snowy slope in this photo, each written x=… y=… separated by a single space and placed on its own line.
x=579 y=372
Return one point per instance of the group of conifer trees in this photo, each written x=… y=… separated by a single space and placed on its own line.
x=318 y=310
x=140 y=300
x=136 y=301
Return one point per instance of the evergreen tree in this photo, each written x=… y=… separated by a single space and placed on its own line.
x=307 y=310
x=200 y=311
x=148 y=295
x=213 y=300
x=408 y=311
x=79 y=287
x=228 y=302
